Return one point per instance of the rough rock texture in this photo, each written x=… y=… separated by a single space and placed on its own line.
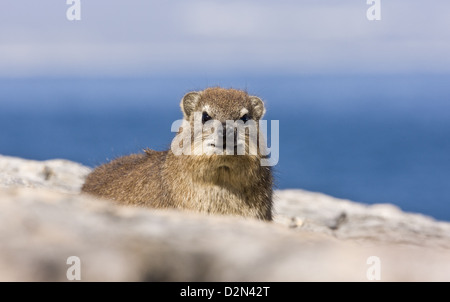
x=57 y=174
x=346 y=219
x=44 y=220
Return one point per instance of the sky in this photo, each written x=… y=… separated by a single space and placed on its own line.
x=200 y=37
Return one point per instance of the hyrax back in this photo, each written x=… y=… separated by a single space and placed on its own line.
x=198 y=176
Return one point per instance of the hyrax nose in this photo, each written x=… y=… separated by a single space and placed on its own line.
x=228 y=133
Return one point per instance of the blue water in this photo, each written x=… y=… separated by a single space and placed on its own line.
x=372 y=139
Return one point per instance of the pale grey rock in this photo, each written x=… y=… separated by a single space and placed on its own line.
x=351 y=220
x=44 y=220
x=40 y=229
x=57 y=174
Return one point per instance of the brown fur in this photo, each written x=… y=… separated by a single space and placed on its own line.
x=216 y=184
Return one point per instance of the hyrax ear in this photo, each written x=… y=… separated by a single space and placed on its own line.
x=258 y=107
x=188 y=103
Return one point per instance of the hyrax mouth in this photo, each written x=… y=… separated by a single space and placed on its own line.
x=224 y=168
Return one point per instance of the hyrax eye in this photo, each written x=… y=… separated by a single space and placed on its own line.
x=205 y=117
x=245 y=118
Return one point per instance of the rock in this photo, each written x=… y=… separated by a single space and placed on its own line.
x=61 y=175
x=345 y=219
x=314 y=237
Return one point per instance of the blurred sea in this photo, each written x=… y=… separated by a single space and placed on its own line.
x=372 y=139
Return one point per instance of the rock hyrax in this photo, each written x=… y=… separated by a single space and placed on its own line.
x=207 y=181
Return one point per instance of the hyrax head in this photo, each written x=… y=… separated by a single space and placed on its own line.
x=228 y=119
x=222 y=105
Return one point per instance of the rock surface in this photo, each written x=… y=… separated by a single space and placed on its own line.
x=57 y=174
x=44 y=220
x=345 y=219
